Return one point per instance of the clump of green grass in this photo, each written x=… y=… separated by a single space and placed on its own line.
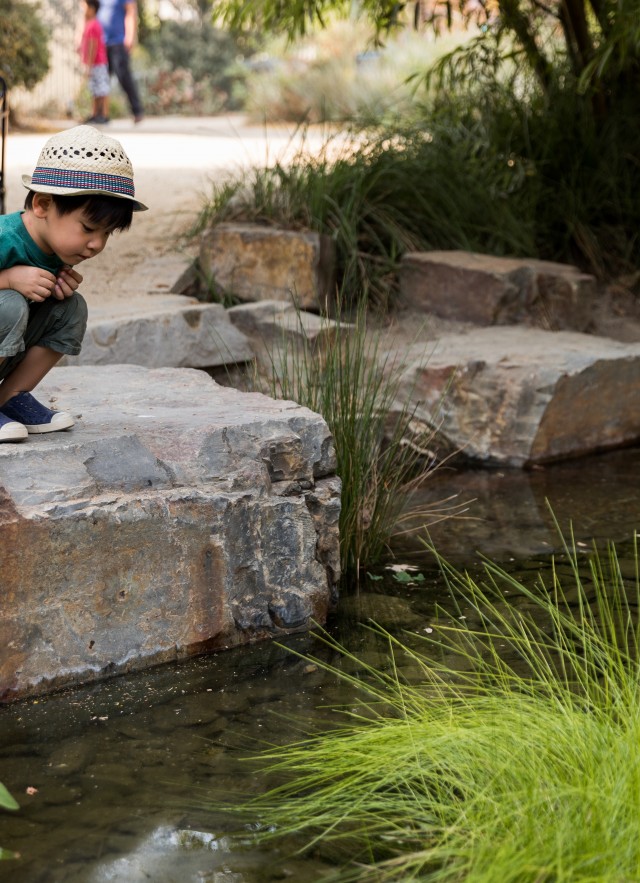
x=520 y=763
x=353 y=384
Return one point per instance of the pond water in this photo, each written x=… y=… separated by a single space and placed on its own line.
x=130 y=780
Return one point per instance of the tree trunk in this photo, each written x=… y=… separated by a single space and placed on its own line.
x=519 y=23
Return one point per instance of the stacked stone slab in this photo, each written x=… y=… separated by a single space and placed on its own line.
x=529 y=387
x=250 y=262
x=162 y=331
x=488 y=290
x=177 y=516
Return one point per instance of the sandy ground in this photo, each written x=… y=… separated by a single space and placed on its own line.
x=176 y=161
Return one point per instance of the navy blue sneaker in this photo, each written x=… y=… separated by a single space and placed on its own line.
x=24 y=409
x=10 y=430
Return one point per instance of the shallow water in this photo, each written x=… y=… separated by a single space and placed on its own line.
x=128 y=780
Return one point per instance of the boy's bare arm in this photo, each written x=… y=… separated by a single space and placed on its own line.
x=37 y=284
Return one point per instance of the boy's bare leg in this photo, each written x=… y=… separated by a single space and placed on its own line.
x=28 y=373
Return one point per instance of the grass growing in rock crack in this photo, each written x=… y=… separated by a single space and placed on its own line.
x=521 y=765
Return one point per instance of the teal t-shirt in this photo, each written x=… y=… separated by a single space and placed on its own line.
x=17 y=247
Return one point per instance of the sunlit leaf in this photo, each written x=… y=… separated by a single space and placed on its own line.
x=6 y=800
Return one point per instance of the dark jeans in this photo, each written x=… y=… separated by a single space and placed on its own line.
x=119 y=65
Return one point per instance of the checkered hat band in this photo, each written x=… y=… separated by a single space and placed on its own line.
x=82 y=180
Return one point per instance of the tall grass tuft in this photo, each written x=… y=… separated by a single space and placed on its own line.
x=353 y=384
x=511 y=753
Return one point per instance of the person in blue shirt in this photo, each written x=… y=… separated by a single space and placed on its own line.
x=119 y=20
x=81 y=191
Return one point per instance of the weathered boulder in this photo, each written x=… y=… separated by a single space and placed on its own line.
x=253 y=263
x=522 y=396
x=162 y=331
x=488 y=290
x=176 y=516
x=273 y=322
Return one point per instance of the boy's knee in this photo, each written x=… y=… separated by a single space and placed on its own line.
x=72 y=321
x=78 y=309
x=14 y=313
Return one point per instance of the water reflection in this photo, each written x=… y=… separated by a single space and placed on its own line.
x=509 y=511
x=118 y=770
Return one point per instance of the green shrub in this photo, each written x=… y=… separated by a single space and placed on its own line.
x=192 y=67
x=504 y=173
x=336 y=74
x=385 y=193
x=24 y=44
x=353 y=383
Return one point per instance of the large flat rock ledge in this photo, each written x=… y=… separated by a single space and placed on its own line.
x=162 y=331
x=177 y=516
x=521 y=396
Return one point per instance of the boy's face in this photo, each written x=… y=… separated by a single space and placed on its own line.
x=73 y=237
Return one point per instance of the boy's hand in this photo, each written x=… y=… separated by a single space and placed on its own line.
x=32 y=282
x=66 y=283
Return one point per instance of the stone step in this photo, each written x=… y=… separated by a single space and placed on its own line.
x=274 y=323
x=253 y=262
x=488 y=290
x=162 y=331
x=175 y=517
x=521 y=396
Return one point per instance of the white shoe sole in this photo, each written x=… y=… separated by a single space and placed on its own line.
x=13 y=432
x=60 y=420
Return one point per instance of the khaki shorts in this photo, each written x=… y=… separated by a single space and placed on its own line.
x=58 y=325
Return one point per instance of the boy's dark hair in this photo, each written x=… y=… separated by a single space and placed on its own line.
x=106 y=211
x=94 y=4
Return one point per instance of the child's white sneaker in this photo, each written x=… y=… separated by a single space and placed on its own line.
x=11 y=430
x=35 y=417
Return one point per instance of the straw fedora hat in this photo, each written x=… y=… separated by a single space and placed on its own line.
x=84 y=160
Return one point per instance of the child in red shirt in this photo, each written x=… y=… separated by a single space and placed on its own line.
x=93 y=52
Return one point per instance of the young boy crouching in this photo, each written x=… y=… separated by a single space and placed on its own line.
x=80 y=193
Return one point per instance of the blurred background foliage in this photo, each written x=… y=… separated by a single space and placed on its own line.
x=24 y=44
